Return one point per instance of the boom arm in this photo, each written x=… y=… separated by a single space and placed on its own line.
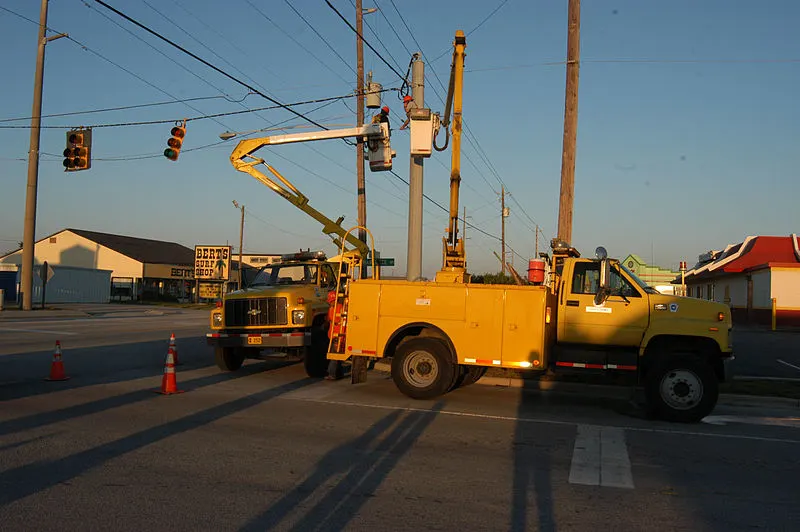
x=454 y=263
x=376 y=137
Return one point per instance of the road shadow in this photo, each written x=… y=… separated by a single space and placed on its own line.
x=30 y=479
x=108 y=403
x=24 y=373
x=532 y=468
x=365 y=462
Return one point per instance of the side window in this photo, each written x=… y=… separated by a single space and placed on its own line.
x=620 y=285
x=586 y=278
x=327 y=277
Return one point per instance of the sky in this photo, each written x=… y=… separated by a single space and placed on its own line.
x=688 y=122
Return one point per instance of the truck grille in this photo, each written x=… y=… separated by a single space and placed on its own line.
x=255 y=312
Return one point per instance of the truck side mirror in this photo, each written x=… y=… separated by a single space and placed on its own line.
x=604 y=287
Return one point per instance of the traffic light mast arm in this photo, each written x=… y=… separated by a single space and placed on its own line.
x=284 y=188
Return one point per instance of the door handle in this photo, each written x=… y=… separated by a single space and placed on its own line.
x=573 y=303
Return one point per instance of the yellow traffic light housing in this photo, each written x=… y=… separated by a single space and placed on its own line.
x=78 y=153
x=175 y=142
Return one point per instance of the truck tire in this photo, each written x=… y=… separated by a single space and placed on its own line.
x=472 y=374
x=229 y=358
x=315 y=359
x=682 y=389
x=421 y=368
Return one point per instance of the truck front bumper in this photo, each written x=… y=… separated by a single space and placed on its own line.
x=293 y=339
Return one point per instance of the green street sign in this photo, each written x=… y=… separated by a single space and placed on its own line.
x=385 y=262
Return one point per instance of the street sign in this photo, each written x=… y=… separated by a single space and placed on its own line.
x=45 y=272
x=212 y=262
x=210 y=290
x=385 y=262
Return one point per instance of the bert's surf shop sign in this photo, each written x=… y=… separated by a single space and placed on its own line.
x=212 y=262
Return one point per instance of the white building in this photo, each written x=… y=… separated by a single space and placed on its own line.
x=140 y=268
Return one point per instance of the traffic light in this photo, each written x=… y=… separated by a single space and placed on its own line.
x=78 y=153
x=175 y=142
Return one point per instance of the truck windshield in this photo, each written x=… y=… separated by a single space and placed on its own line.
x=644 y=286
x=286 y=274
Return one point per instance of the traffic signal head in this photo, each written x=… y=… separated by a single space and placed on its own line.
x=78 y=153
x=175 y=142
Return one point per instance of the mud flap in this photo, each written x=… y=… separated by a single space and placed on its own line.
x=358 y=370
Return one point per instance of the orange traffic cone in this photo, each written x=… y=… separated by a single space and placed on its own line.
x=169 y=384
x=57 y=367
x=174 y=348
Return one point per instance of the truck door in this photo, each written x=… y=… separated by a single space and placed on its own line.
x=618 y=322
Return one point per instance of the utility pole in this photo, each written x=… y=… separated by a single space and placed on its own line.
x=360 y=179
x=241 y=240
x=503 y=226
x=414 y=264
x=536 y=249
x=566 y=198
x=29 y=230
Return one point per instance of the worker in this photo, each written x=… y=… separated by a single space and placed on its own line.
x=334 y=325
x=408 y=105
x=382 y=117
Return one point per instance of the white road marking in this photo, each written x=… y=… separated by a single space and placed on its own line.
x=585 y=467
x=41 y=331
x=555 y=422
x=754 y=420
x=600 y=458
x=615 y=465
x=787 y=364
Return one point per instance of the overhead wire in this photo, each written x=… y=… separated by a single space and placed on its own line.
x=318 y=34
x=298 y=43
x=475 y=28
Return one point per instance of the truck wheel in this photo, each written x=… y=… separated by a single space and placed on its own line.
x=472 y=375
x=682 y=389
x=315 y=359
x=421 y=368
x=229 y=358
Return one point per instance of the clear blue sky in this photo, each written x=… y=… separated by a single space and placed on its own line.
x=693 y=149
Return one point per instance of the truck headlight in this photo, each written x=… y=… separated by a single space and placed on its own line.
x=298 y=317
x=216 y=320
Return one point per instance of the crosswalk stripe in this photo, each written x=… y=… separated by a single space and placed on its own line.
x=600 y=458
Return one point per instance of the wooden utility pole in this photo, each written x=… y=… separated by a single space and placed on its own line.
x=536 y=249
x=503 y=226
x=566 y=199
x=360 y=180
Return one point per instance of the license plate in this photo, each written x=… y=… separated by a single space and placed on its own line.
x=254 y=340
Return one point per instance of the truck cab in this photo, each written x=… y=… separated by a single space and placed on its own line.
x=282 y=310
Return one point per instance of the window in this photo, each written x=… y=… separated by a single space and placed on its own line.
x=586 y=280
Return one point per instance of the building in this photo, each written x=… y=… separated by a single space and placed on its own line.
x=141 y=269
x=655 y=276
x=257 y=260
x=749 y=277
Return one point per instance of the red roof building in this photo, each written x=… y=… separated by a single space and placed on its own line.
x=749 y=275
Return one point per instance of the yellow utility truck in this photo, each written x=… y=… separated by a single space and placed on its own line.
x=590 y=315
x=282 y=310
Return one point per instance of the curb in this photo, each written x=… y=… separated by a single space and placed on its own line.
x=607 y=391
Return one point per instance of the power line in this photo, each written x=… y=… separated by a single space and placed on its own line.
x=331 y=48
x=123 y=108
x=481 y=23
x=377 y=37
x=298 y=43
x=393 y=69
x=642 y=61
x=104 y=58
x=208 y=64
x=202 y=117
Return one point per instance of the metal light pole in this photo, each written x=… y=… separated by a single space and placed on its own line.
x=29 y=230
x=241 y=239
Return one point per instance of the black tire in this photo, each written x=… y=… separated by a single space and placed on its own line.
x=229 y=358
x=422 y=368
x=681 y=388
x=315 y=359
x=472 y=374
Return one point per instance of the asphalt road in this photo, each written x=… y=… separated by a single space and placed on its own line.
x=266 y=448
